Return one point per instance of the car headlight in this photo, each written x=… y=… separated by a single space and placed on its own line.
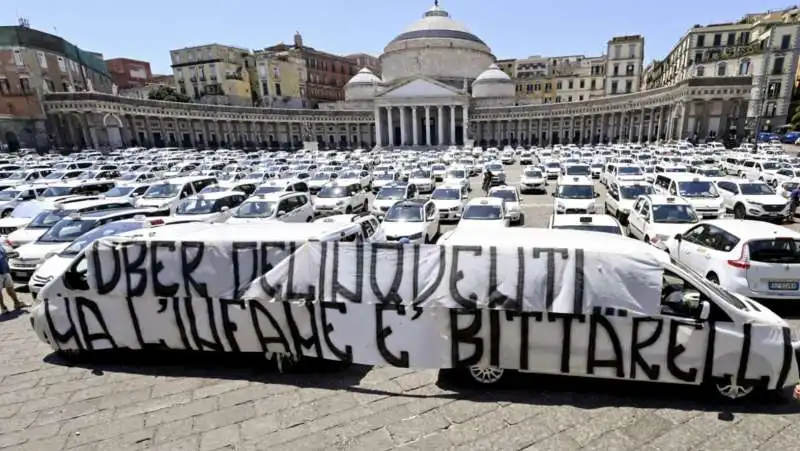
x=755 y=203
x=341 y=202
x=14 y=262
x=560 y=206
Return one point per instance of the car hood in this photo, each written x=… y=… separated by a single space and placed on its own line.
x=668 y=229
x=329 y=201
x=760 y=314
x=346 y=182
x=23 y=236
x=446 y=204
x=532 y=179
x=53 y=267
x=14 y=222
x=770 y=199
x=402 y=228
x=481 y=224
x=233 y=220
x=385 y=202
x=420 y=181
x=37 y=251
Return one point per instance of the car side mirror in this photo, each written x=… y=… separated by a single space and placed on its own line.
x=553 y=194
x=705 y=311
x=225 y=208
x=596 y=195
x=280 y=213
x=678 y=237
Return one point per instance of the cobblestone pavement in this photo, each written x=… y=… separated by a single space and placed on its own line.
x=191 y=403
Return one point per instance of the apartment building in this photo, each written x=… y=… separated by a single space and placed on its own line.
x=763 y=46
x=33 y=63
x=129 y=73
x=363 y=60
x=281 y=79
x=624 y=64
x=214 y=74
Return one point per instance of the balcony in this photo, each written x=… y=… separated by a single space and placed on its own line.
x=239 y=77
x=193 y=78
x=203 y=78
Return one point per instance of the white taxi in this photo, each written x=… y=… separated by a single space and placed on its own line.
x=449 y=201
x=575 y=195
x=751 y=258
x=512 y=198
x=533 y=179
x=587 y=223
x=483 y=212
x=656 y=218
x=701 y=192
x=752 y=199
x=415 y=219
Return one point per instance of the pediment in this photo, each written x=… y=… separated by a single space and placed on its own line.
x=420 y=87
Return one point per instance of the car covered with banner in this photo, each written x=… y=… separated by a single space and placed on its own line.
x=556 y=302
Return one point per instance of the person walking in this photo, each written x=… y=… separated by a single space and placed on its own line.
x=7 y=283
x=487 y=182
x=794 y=202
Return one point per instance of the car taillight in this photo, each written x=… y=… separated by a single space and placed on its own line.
x=743 y=262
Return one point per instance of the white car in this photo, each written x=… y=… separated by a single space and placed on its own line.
x=526 y=157
x=417 y=220
x=382 y=179
x=575 y=195
x=438 y=171
x=484 y=212
x=622 y=196
x=320 y=179
x=752 y=199
x=507 y=157
x=781 y=175
x=338 y=198
x=512 y=200
x=533 y=179
x=587 y=223
x=422 y=179
x=750 y=258
x=209 y=206
x=458 y=175
x=552 y=169
x=391 y=194
x=449 y=201
x=282 y=206
x=656 y=218
x=359 y=176
x=700 y=192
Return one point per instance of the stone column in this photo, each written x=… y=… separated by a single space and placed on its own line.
x=550 y=131
x=661 y=123
x=378 y=138
x=428 y=125
x=452 y=125
x=149 y=131
x=641 y=125
x=403 y=140
x=630 y=126
x=414 y=126
x=650 y=124
x=592 y=129
x=389 y=113
x=582 y=129
x=440 y=123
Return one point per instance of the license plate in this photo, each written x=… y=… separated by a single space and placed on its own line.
x=19 y=274
x=784 y=285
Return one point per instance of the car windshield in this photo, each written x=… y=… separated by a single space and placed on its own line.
x=57 y=175
x=674 y=214
x=269 y=189
x=212 y=189
x=446 y=194
x=777 y=250
x=321 y=176
x=17 y=175
x=457 y=174
x=495 y=167
x=128 y=176
x=66 y=230
x=591 y=228
x=256 y=209
x=385 y=176
x=634 y=191
x=162 y=191
x=332 y=192
x=404 y=213
x=578 y=169
x=391 y=193
x=229 y=177
x=47 y=219
x=697 y=189
x=553 y=165
x=483 y=212
x=27 y=210
x=350 y=175
x=55 y=191
x=95 y=234
x=576 y=192
x=438 y=167
x=88 y=175
x=8 y=194
x=755 y=189
x=533 y=173
x=419 y=174
x=255 y=176
x=770 y=165
x=506 y=194
x=119 y=191
x=675 y=169
x=198 y=206
x=629 y=170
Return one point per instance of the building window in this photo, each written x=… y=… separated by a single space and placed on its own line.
x=617 y=50
x=721 y=69
x=262 y=70
x=18 y=57
x=592 y=85
x=42 y=60
x=770 y=109
x=265 y=89
x=529 y=88
x=558 y=85
x=744 y=67
x=548 y=87
x=558 y=99
x=731 y=38
x=786 y=40
x=628 y=86
x=700 y=71
x=5 y=88
x=631 y=51
x=183 y=89
x=278 y=89
x=582 y=84
x=25 y=85
x=774 y=90
x=717 y=40
x=276 y=72
x=629 y=70
x=701 y=40
x=777 y=66
x=212 y=71
x=614 y=87
x=177 y=58
x=569 y=98
x=62 y=66
x=65 y=86
x=537 y=87
x=698 y=57
x=616 y=70
x=570 y=85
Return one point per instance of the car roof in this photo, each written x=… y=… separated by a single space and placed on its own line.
x=578 y=219
x=486 y=201
x=214 y=195
x=414 y=202
x=663 y=199
x=112 y=213
x=575 y=180
x=749 y=229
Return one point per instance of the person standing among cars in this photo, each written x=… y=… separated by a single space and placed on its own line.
x=794 y=202
x=7 y=283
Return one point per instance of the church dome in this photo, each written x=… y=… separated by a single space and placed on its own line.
x=493 y=82
x=438 y=47
x=364 y=77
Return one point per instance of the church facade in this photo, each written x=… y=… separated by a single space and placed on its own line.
x=439 y=86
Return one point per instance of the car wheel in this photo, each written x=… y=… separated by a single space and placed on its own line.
x=485 y=375
x=729 y=389
x=739 y=212
x=309 y=219
x=713 y=278
x=774 y=183
x=348 y=210
x=5 y=213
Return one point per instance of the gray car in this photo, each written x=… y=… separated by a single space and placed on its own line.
x=13 y=196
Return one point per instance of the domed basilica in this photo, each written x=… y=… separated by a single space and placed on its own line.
x=438 y=86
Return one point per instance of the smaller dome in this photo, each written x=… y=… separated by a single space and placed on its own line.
x=364 y=77
x=492 y=75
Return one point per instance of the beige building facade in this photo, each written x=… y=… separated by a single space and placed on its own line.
x=439 y=86
x=213 y=74
x=282 y=79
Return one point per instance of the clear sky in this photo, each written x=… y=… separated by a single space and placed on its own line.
x=149 y=29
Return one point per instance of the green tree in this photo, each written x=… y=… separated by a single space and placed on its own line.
x=795 y=121
x=168 y=94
